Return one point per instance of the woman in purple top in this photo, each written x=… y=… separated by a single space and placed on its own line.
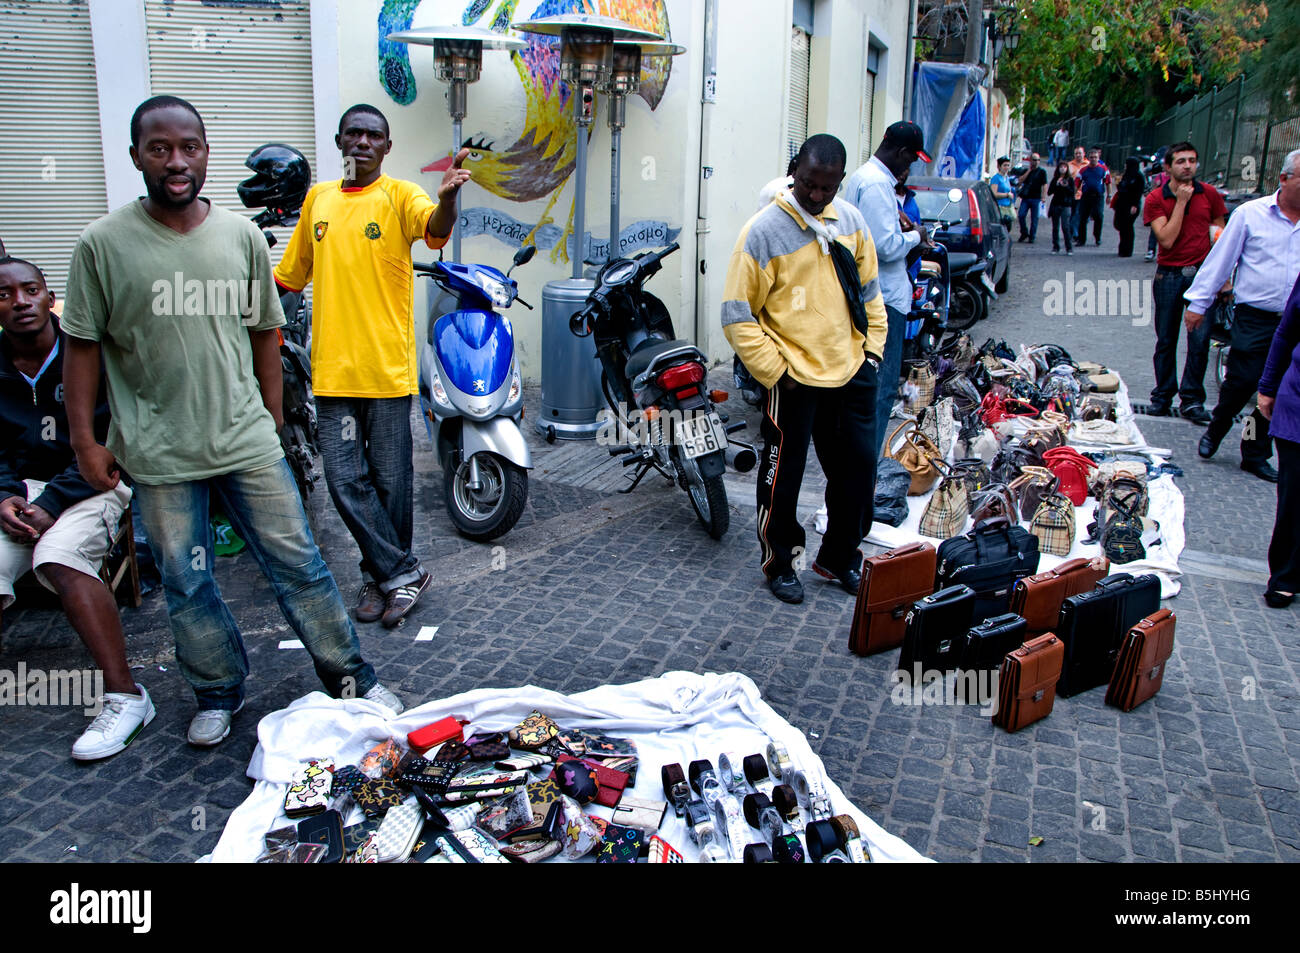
x=1279 y=401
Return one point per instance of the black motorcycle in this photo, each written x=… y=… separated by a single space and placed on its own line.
x=278 y=188
x=971 y=289
x=655 y=387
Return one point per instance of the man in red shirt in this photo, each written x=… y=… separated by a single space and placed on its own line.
x=1180 y=214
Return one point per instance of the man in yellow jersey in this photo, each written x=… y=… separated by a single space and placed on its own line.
x=786 y=312
x=353 y=240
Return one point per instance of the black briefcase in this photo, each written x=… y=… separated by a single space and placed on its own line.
x=988 y=642
x=989 y=561
x=1093 y=625
x=936 y=631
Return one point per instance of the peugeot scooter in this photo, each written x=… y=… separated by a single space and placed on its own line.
x=473 y=397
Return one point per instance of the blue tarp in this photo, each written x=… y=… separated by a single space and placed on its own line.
x=947 y=106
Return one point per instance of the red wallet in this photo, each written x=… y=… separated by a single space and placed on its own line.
x=611 y=782
x=445 y=729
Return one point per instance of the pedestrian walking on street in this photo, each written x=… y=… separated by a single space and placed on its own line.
x=1093 y=182
x=1033 y=191
x=194 y=381
x=1279 y=402
x=1060 y=144
x=54 y=522
x=1127 y=204
x=1077 y=165
x=871 y=190
x=1180 y=213
x=353 y=242
x=1061 y=194
x=1003 y=193
x=1261 y=245
x=802 y=307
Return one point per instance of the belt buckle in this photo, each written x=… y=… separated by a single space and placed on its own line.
x=1189 y=271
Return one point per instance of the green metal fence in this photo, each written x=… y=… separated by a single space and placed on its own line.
x=1240 y=142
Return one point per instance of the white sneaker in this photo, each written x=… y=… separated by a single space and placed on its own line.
x=211 y=726
x=116 y=726
x=386 y=698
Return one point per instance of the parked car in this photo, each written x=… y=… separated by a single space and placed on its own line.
x=981 y=231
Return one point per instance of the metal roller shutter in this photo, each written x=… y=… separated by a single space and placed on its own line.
x=51 y=165
x=246 y=67
x=797 y=108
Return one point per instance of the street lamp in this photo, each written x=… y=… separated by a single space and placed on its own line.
x=624 y=80
x=458 y=61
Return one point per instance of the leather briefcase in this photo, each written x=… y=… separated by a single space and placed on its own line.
x=1027 y=682
x=936 y=629
x=988 y=560
x=1093 y=625
x=891 y=582
x=988 y=642
x=1141 y=666
x=1038 y=598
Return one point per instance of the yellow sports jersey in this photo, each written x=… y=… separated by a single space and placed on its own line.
x=354 y=245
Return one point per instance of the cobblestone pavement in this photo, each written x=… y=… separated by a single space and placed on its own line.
x=593 y=587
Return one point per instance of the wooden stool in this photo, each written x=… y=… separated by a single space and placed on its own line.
x=127 y=569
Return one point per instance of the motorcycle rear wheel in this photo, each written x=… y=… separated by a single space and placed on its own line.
x=964 y=307
x=708 y=497
x=494 y=508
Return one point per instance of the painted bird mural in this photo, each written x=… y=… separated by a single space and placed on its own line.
x=541 y=160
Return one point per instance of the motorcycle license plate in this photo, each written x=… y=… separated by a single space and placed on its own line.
x=702 y=434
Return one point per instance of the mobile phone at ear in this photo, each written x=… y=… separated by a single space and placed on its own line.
x=327 y=829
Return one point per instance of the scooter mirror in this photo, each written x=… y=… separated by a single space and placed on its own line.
x=525 y=255
x=954 y=195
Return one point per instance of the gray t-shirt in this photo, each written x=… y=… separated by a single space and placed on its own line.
x=172 y=313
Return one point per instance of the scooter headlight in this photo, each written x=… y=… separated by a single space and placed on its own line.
x=439 y=392
x=500 y=293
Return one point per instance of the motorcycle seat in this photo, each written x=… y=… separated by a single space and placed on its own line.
x=961 y=260
x=650 y=351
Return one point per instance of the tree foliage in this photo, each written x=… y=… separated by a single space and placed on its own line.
x=1138 y=58
x=1279 y=63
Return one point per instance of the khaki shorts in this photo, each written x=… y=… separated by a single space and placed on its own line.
x=79 y=539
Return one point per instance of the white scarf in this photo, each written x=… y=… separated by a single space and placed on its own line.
x=826 y=232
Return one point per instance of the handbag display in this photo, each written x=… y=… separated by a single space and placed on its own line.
x=988 y=642
x=1071 y=468
x=1053 y=525
x=1010 y=461
x=939 y=424
x=1033 y=486
x=919 y=389
x=918 y=455
x=1027 y=682
x=891 y=582
x=1108 y=471
x=1097 y=407
x=1140 y=669
x=1038 y=598
x=995 y=501
x=946 y=510
x=1093 y=625
x=974 y=471
x=989 y=560
x=1119 y=520
x=935 y=630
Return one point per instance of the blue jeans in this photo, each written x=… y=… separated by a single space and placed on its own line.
x=891 y=366
x=365 y=446
x=265 y=509
x=1029 y=207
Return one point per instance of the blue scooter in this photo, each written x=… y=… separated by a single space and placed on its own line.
x=473 y=397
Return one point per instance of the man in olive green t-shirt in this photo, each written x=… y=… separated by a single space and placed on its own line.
x=177 y=296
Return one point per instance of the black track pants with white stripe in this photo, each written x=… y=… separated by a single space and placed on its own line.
x=840 y=421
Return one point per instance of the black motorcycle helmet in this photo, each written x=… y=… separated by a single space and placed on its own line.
x=282 y=178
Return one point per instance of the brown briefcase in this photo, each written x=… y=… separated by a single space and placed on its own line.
x=891 y=582
x=1027 y=682
x=1140 y=668
x=1037 y=599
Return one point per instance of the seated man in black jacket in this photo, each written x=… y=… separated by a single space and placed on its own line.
x=53 y=521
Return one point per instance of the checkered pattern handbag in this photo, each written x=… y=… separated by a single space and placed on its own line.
x=1053 y=525
x=945 y=513
x=396 y=835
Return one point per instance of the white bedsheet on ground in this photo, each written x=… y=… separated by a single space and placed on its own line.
x=679 y=716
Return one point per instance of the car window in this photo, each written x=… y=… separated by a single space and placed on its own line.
x=933 y=204
x=988 y=208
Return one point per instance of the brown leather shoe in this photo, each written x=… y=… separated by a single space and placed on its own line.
x=370 y=603
x=402 y=599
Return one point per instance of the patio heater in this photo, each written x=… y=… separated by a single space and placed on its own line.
x=458 y=61
x=624 y=80
x=571 y=393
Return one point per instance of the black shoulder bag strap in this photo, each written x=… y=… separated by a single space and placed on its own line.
x=846 y=269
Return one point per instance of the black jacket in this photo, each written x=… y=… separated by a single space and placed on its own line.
x=26 y=416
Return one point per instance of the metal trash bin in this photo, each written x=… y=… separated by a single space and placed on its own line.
x=571 y=394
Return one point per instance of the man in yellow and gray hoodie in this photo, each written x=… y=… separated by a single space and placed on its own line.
x=787 y=314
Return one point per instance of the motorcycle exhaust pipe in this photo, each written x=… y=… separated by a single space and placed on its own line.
x=741 y=457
